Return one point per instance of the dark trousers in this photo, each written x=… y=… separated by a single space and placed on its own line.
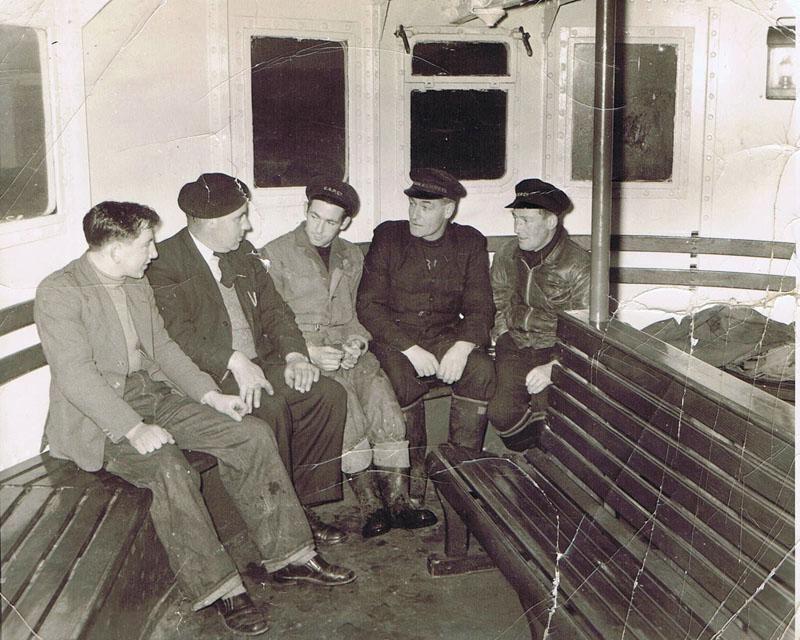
x=476 y=383
x=309 y=429
x=250 y=471
x=512 y=399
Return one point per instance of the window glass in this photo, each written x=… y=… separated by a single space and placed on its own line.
x=24 y=188
x=460 y=59
x=462 y=131
x=644 y=112
x=299 y=110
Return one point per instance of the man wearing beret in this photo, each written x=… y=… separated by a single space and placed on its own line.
x=124 y=397
x=535 y=275
x=221 y=306
x=427 y=301
x=318 y=273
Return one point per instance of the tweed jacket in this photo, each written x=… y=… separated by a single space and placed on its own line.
x=85 y=347
x=323 y=299
x=527 y=298
x=189 y=299
x=402 y=301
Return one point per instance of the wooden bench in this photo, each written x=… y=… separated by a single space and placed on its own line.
x=660 y=505
x=80 y=557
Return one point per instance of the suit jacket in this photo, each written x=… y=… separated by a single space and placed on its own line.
x=323 y=299
x=85 y=347
x=189 y=300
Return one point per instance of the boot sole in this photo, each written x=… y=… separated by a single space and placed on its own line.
x=314 y=581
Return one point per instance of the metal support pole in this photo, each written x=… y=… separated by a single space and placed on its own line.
x=605 y=38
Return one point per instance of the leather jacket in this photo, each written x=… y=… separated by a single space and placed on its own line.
x=528 y=297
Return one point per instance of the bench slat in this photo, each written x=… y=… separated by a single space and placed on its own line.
x=765 y=548
x=701 y=278
x=711 y=571
x=563 y=489
x=92 y=577
x=587 y=567
x=607 y=421
x=48 y=580
x=40 y=538
x=23 y=514
x=16 y=317
x=18 y=364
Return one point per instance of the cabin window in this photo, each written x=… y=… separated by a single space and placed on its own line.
x=299 y=110
x=25 y=164
x=459 y=97
x=644 y=111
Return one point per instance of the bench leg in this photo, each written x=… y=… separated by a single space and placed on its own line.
x=456 y=546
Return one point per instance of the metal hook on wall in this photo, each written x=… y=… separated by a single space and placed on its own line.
x=401 y=33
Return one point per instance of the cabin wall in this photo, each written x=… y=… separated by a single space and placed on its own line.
x=147 y=94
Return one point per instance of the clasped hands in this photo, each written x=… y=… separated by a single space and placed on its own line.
x=344 y=355
x=449 y=369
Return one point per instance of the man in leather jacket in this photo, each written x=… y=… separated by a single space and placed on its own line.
x=536 y=274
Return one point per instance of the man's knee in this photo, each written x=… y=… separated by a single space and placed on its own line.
x=330 y=391
x=479 y=379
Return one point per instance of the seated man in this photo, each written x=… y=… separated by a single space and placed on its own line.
x=317 y=273
x=426 y=299
x=125 y=397
x=220 y=305
x=535 y=275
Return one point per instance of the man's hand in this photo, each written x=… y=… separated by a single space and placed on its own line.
x=326 y=358
x=146 y=438
x=250 y=379
x=424 y=362
x=299 y=373
x=538 y=378
x=451 y=368
x=354 y=348
x=232 y=406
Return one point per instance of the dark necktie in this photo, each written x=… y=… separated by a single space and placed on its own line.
x=226 y=269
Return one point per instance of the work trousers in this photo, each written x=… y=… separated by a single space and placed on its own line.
x=250 y=470
x=375 y=431
x=476 y=383
x=309 y=428
x=512 y=400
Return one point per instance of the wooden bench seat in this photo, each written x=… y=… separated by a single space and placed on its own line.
x=660 y=504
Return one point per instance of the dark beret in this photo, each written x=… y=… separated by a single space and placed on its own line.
x=533 y=193
x=334 y=191
x=434 y=183
x=213 y=195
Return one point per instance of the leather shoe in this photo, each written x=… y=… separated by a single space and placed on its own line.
x=409 y=518
x=316 y=570
x=377 y=524
x=241 y=615
x=324 y=533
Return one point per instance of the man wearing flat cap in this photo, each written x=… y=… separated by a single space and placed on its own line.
x=426 y=299
x=535 y=275
x=317 y=273
x=220 y=304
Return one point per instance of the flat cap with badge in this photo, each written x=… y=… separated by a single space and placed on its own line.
x=432 y=184
x=213 y=195
x=533 y=193
x=335 y=192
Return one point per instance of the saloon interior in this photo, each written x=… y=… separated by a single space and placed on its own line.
x=661 y=501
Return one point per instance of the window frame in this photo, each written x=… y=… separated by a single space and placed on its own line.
x=51 y=223
x=683 y=40
x=508 y=83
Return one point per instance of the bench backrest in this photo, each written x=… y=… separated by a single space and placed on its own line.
x=696 y=461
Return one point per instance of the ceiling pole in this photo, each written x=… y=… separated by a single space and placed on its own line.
x=605 y=38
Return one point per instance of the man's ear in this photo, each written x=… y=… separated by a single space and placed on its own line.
x=552 y=221
x=451 y=209
x=113 y=251
x=345 y=223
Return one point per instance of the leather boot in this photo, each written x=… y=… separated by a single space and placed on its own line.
x=417 y=436
x=394 y=486
x=468 y=421
x=373 y=514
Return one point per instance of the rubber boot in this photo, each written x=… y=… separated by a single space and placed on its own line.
x=468 y=422
x=417 y=436
x=373 y=514
x=525 y=434
x=393 y=482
